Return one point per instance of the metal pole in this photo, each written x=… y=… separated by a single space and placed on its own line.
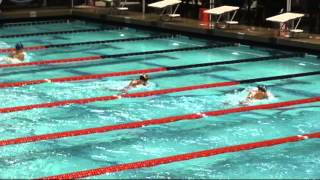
x=72 y=4
x=291 y=23
x=143 y=7
x=288 y=5
x=211 y=5
x=44 y=4
x=0 y=4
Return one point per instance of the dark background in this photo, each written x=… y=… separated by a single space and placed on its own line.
x=191 y=9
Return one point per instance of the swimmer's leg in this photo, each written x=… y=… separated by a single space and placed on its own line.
x=125 y=90
x=245 y=102
x=122 y=91
x=109 y=89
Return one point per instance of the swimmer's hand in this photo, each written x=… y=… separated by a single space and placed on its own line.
x=226 y=103
x=48 y=80
x=245 y=103
x=124 y=91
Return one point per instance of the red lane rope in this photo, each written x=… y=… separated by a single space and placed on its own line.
x=108 y=98
x=184 y=157
x=61 y=61
x=125 y=73
x=90 y=58
x=82 y=77
x=151 y=122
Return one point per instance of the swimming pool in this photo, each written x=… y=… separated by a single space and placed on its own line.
x=71 y=154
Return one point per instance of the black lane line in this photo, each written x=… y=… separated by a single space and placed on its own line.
x=109 y=41
x=59 y=32
x=268 y=58
x=168 y=50
x=99 y=63
x=42 y=47
x=35 y=23
x=248 y=81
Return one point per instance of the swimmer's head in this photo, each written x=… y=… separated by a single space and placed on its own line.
x=262 y=88
x=144 y=77
x=19 y=46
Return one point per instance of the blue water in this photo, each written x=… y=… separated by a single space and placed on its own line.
x=39 y=159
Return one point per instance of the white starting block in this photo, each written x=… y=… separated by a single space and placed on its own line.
x=286 y=17
x=219 y=11
x=100 y=4
x=168 y=7
x=122 y=5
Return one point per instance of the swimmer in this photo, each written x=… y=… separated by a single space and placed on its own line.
x=143 y=80
x=19 y=53
x=259 y=93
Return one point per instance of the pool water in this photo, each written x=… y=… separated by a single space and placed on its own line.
x=60 y=156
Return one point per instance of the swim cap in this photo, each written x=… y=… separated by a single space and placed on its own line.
x=262 y=88
x=144 y=77
x=19 y=46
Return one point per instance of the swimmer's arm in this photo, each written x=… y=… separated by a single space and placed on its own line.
x=11 y=55
x=132 y=83
x=250 y=96
x=21 y=57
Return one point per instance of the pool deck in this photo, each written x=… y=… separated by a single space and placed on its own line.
x=266 y=36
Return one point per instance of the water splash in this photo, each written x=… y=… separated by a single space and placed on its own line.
x=238 y=97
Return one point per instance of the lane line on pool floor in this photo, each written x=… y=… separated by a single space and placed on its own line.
x=142 y=71
x=152 y=93
x=36 y=23
x=61 y=32
x=101 y=57
x=166 y=120
x=41 y=47
x=184 y=157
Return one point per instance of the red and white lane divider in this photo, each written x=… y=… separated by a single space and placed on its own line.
x=114 y=97
x=152 y=93
x=58 y=61
x=139 y=124
x=133 y=72
x=183 y=157
x=100 y=57
x=80 y=78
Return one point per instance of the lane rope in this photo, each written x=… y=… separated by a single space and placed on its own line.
x=151 y=93
x=184 y=157
x=60 y=32
x=36 y=23
x=36 y=48
x=100 y=57
x=142 y=71
x=144 y=123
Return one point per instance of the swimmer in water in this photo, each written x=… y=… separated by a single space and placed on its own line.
x=259 y=93
x=19 y=53
x=143 y=80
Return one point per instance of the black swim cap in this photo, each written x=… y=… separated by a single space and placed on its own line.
x=143 y=77
x=262 y=88
x=19 y=46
